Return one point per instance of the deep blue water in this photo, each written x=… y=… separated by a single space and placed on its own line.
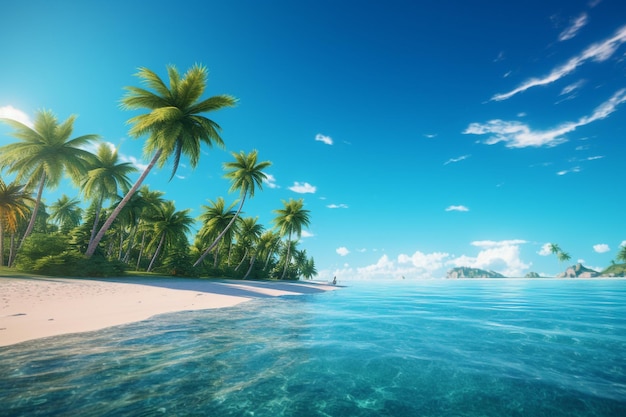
x=413 y=348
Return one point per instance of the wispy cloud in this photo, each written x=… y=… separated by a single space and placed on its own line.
x=457 y=208
x=270 y=181
x=568 y=171
x=496 y=243
x=306 y=233
x=303 y=188
x=337 y=206
x=519 y=135
x=574 y=27
x=342 y=251
x=10 y=112
x=572 y=87
x=430 y=135
x=459 y=159
x=601 y=248
x=597 y=52
x=323 y=138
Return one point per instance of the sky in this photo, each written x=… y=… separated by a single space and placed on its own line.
x=421 y=135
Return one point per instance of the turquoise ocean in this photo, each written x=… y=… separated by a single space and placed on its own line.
x=500 y=347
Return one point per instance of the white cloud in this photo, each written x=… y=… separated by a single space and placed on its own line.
x=574 y=27
x=342 y=251
x=306 y=233
x=545 y=249
x=430 y=135
x=459 y=159
x=10 y=112
x=597 y=52
x=502 y=257
x=303 y=188
x=337 y=206
x=134 y=161
x=270 y=181
x=572 y=87
x=494 y=243
x=601 y=248
x=457 y=208
x=568 y=171
x=425 y=262
x=623 y=243
x=519 y=135
x=323 y=138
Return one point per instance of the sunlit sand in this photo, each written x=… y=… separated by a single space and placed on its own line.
x=33 y=308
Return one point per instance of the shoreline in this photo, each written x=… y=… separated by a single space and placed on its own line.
x=35 y=308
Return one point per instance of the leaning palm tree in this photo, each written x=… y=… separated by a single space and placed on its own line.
x=563 y=256
x=289 y=221
x=14 y=205
x=66 y=212
x=246 y=174
x=105 y=176
x=248 y=236
x=170 y=228
x=215 y=218
x=44 y=153
x=174 y=124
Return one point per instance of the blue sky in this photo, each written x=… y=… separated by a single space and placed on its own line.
x=422 y=135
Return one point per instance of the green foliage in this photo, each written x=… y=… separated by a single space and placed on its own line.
x=615 y=270
x=54 y=255
x=178 y=263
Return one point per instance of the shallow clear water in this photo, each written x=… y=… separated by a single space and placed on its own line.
x=427 y=348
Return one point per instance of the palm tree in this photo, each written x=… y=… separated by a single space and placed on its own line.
x=246 y=174
x=308 y=269
x=268 y=245
x=621 y=255
x=215 y=218
x=44 y=153
x=14 y=202
x=554 y=248
x=174 y=123
x=66 y=212
x=141 y=207
x=104 y=178
x=289 y=221
x=563 y=256
x=248 y=236
x=170 y=227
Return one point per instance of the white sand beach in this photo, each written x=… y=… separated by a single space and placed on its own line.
x=32 y=308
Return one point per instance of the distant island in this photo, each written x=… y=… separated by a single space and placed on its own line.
x=465 y=272
x=575 y=271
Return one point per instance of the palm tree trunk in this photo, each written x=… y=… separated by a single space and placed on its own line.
x=287 y=257
x=156 y=253
x=94 y=228
x=251 y=265
x=33 y=217
x=219 y=237
x=131 y=243
x=1 y=243
x=245 y=254
x=143 y=242
x=107 y=224
x=11 y=250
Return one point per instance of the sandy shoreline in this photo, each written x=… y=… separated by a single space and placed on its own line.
x=32 y=308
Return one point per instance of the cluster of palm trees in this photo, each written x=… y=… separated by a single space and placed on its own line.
x=140 y=228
